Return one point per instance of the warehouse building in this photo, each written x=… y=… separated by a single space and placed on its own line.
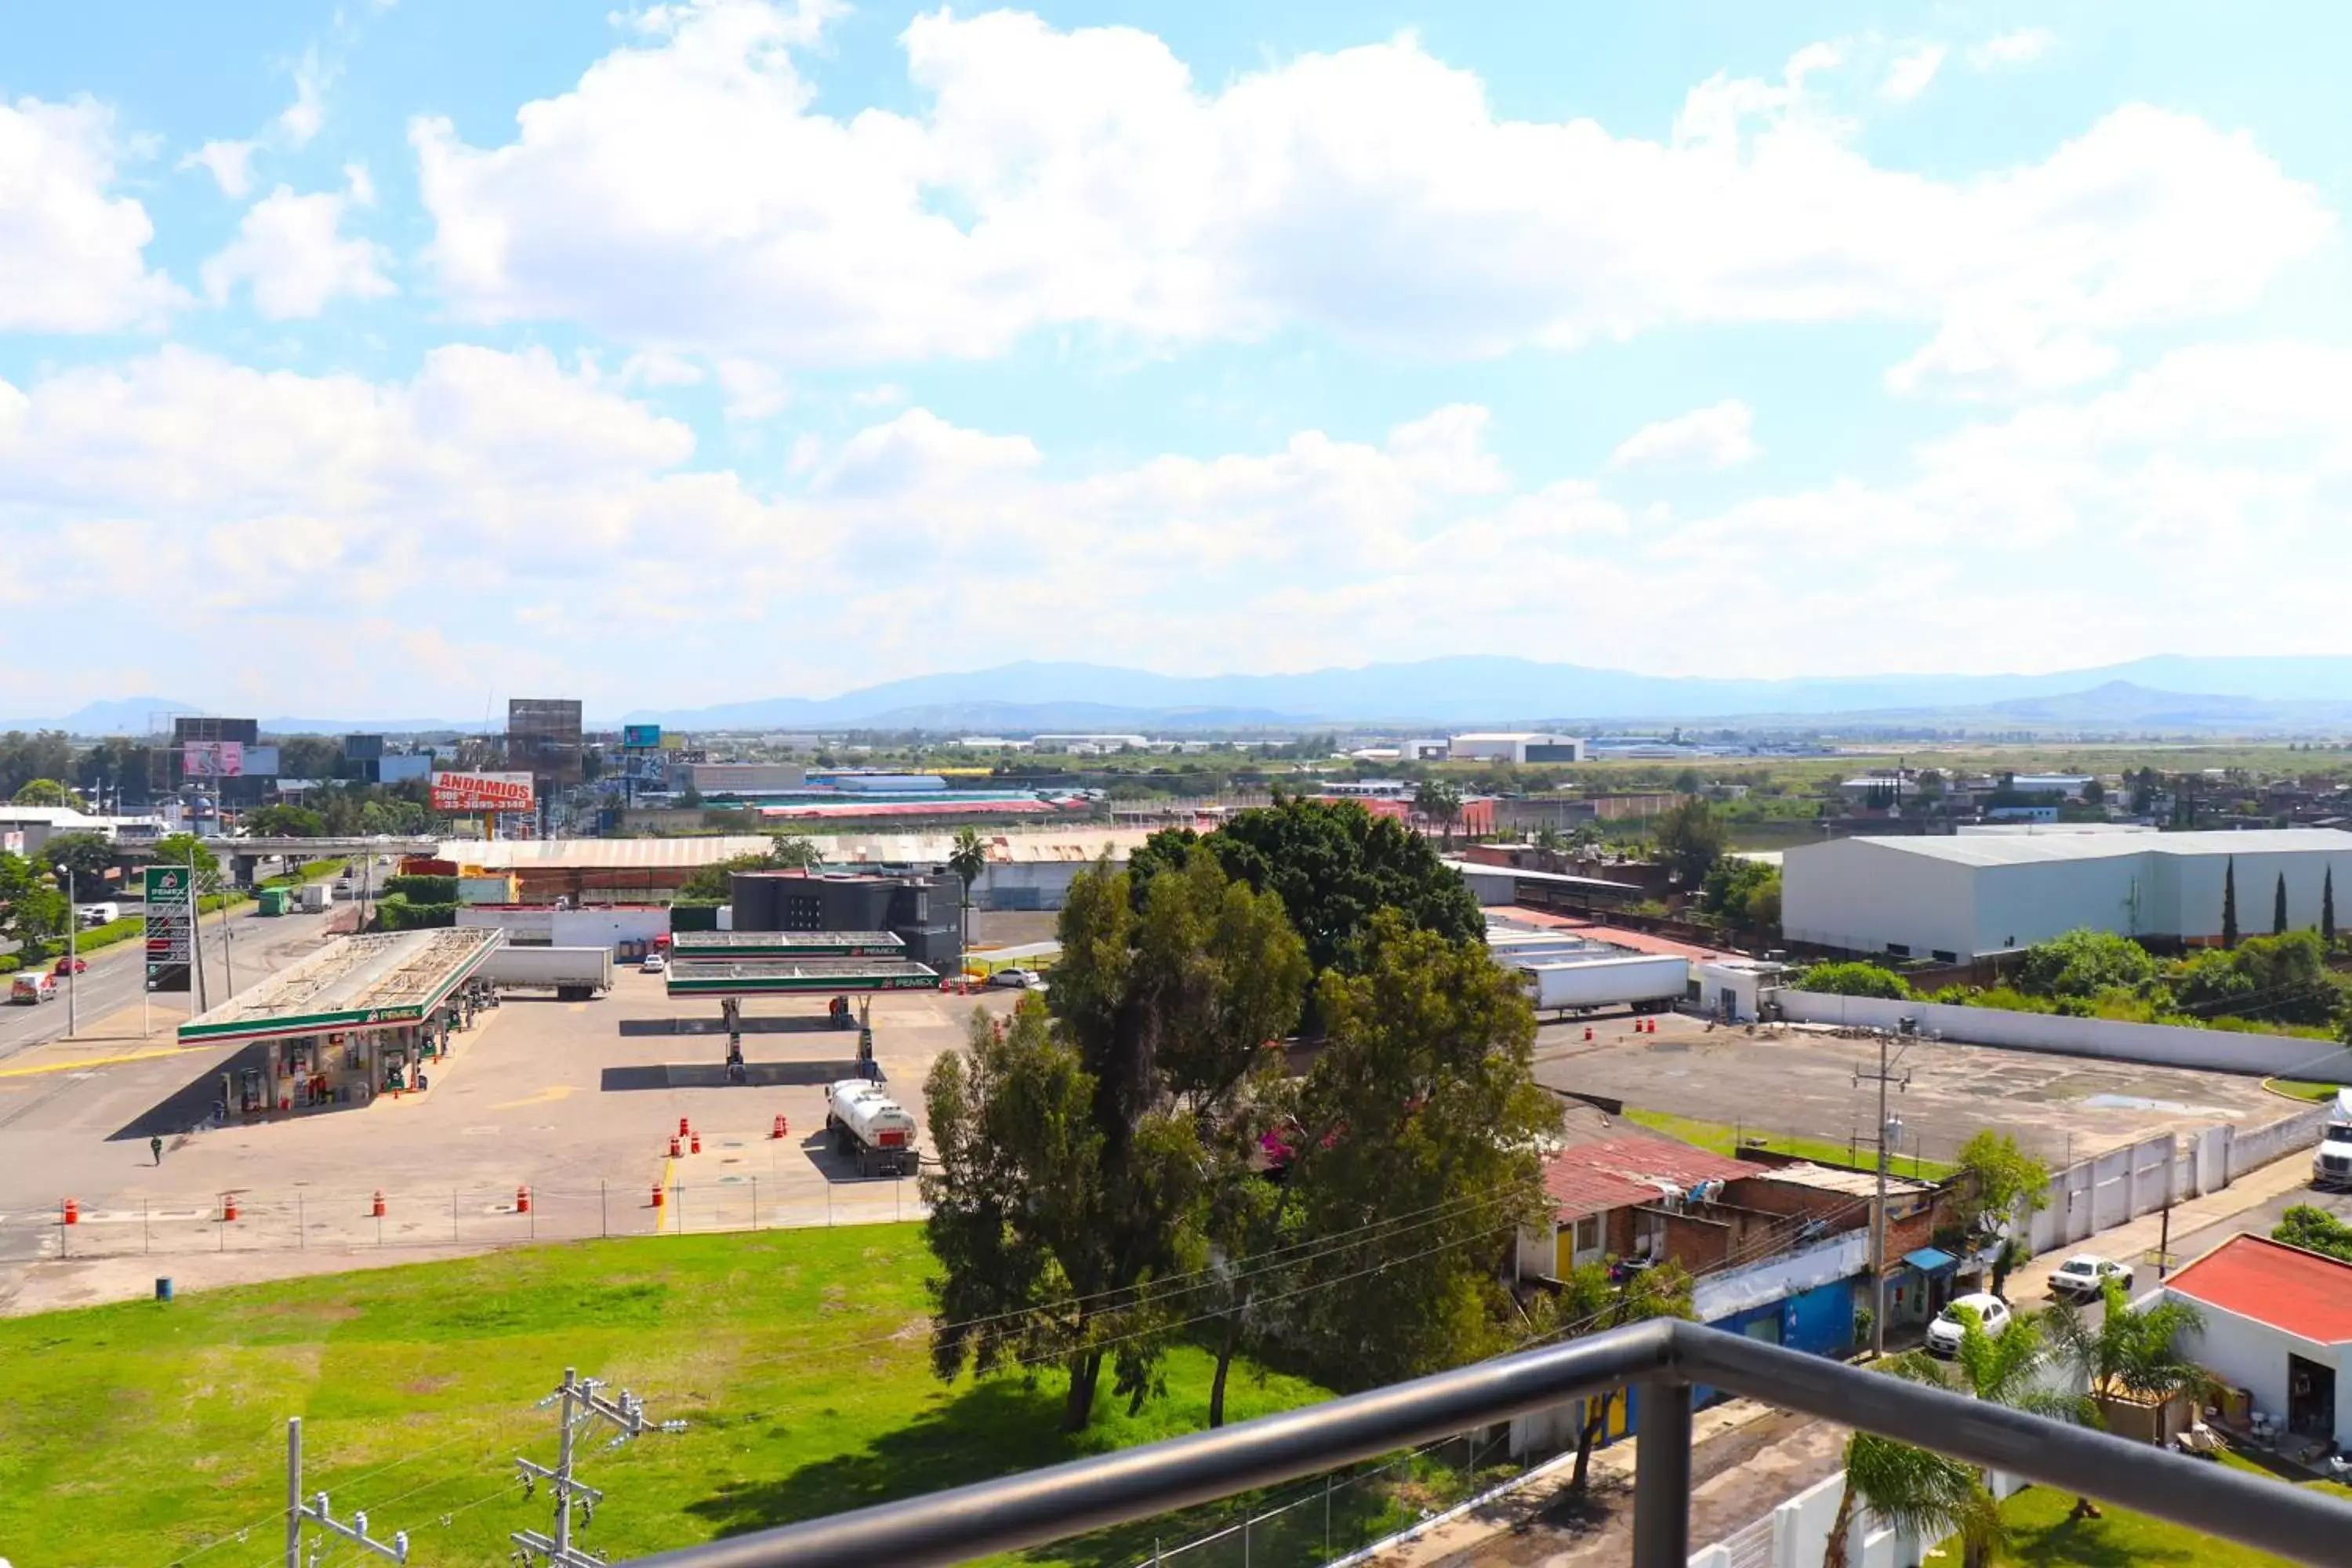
x=1515 y=746
x=1956 y=898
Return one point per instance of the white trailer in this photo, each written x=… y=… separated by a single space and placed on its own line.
x=871 y=1127
x=573 y=974
x=1644 y=982
x=316 y=897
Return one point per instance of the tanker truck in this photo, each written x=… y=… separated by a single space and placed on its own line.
x=871 y=1127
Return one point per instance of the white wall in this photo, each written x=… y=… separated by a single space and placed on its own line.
x=2252 y=1356
x=2217 y=1051
x=1858 y=894
x=2033 y=900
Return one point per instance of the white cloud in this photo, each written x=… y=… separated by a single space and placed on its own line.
x=1083 y=180
x=1712 y=437
x=230 y=164
x=2021 y=47
x=1908 y=77
x=290 y=249
x=889 y=394
x=302 y=119
x=71 y=251
x=360 y=183
x=753 y=390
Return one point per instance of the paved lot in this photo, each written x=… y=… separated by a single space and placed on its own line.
x=574 y=1101
x=2061 y=1107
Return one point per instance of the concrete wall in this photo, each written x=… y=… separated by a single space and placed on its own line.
x=2287 y=1138
x=2019 y=905
x=2111 y=1189
x=2215 y=1050
x=2252 y=1356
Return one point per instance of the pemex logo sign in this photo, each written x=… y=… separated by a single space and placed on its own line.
x=171 y=927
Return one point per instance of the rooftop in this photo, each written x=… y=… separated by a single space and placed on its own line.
x=382 y=977
x=720 y=944
x=2300 y=1293
x=1832 y=1178
x=1631 y=1168
x=842 y=852
x=2037 y=848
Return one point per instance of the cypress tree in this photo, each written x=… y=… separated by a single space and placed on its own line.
x=2230 y=902
x=2278 y=908
x=2328 y=906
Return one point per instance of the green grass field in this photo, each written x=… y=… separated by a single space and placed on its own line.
x=2041 y=1537
x=142 y=1434
x=2302 y=1088
x=1723 y=1140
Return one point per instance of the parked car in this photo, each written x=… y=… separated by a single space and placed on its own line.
x=1944 y=1334
x=65 y=966
x=1017 y=979
x=32 y=989
x=2084 y=1276
x=654 y=963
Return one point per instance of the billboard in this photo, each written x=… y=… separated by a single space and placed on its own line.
x=482 y=791
x=170 y=926
x=213 y=760
x=261 y=761
x=641 y=737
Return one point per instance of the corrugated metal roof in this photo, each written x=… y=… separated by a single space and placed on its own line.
x=1612 y=1172
x=2298 y=1292
x=841 y=850
x=1997 y=850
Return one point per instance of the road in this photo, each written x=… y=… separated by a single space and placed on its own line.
x=116 y=975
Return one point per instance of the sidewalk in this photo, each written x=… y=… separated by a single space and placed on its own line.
x=2127 y=1243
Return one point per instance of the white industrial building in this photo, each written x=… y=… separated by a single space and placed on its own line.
x=1953 y=898
x=2278 y=1324
x=1515 y=746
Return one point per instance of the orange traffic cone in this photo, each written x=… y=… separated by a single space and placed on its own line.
x=229 y=1207
x=523 y=1200
x=673 y=1150
x=657 y=1195
x=73 y=1211
x=783 y=1127
x=695 y=1147
x=379 y=1204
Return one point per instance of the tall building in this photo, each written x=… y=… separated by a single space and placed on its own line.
x=543 y=739
x=924 y=911
x=222 y=758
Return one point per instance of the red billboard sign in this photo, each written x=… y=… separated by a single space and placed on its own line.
x=482 y=791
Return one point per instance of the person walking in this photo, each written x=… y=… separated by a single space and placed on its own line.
x=155 y=1147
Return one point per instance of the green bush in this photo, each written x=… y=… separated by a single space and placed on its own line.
x=397 y=912
x=10 y=964
x=1854 y=980
x=423 y=890
x=2083 y=964
x=110 y=933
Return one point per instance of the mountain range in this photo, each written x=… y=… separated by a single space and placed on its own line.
x=2167 y=693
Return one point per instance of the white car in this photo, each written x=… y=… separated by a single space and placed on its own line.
x=2084 y=1276
x=1944 y=1334
x=1017 y=979
x=654 y=963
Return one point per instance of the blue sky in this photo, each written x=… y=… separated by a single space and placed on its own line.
x=418 y=353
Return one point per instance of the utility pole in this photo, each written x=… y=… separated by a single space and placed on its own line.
x=318 y=1512
x=196 y=933
x=73 y=954
x=581 y=1406
x=1882 y=1078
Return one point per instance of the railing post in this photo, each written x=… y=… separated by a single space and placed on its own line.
x=1662 y=1476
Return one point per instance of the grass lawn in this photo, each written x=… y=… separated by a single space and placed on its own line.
x=141 y=1435
x=2041 y=1537
x=2302 y=1088
x=1723 y=1140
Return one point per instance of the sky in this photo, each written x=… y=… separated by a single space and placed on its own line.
x=398 y=356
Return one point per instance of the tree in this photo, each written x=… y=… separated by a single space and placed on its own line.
x=1550 y=846
x=1744 y=894
x=2282 y=977
x=1922 y=1494
x=2095 y=793
x=2314 y=1230
x=2131 y=1355
x=1591 y=1299
x=2230 y=902
x=32 y=908
x=285 y=822
x=793 y=852
x=1999 y=1182
x=2004 y=1369
x=187 y=850
x=43 y=792
x=968 y=860
x=1854 y=980
x=2278 y=908
x=2085 y=963
x=1425 y=1081
x=1440 y=803
x=2327 y=906
x=87 y=855
x=45 y=754
x=1691 y=837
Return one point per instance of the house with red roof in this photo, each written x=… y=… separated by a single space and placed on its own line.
x=2278 y=1324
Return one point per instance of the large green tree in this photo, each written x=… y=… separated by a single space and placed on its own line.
x=2085 y=963
x=2001 y=1369
x=2314 y=1230
x=1744 y=894
x=184 y=849
x=1439 y=802
x=1691 y=840
x=2282 y=977
x=33 y=909
x=2130 y=1354
x=41 y=754
x=1999 y=1183
x=88 y=856
x=286 y=822
x=1923 y=1494
x=42 y=792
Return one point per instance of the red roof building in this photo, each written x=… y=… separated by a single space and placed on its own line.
x=2278 y=1324
x=1599 y=1189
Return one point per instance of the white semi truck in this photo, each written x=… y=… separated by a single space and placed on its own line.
x=573 y=974
x=2331 y=1163
x=1642 y=981
x=867 y=1124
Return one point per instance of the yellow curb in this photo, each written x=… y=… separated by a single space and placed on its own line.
x=101 y=1061
x=661 y=1214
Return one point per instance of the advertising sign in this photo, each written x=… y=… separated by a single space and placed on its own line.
x=482 y=791
x=171 y=927
x=641 y=737
x=213 y=760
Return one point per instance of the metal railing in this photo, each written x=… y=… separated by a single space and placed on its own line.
x=1663 y=1358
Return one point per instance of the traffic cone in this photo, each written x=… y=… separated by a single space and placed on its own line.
x=523 y=1200
x=1588 y=1031
x=783 y=1127
x=682 y=1129
x=73 y=1211
x=673 y=1150
x=657 y=1195
x=379 y=1204
x=229 y=1207
x=696 y=1146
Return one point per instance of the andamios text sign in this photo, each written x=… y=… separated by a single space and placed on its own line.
x=481 y=791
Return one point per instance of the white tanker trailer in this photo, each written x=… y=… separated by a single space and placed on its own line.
x=867 y=1124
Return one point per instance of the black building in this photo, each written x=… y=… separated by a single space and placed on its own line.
x=921 y=910
x=259 y=766
x=543 y=738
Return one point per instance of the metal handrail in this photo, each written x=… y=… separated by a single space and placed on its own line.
x=1663 y=1357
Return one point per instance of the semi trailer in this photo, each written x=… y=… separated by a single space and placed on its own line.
x=870 y=1127
x=573 y=974
x=1644 y=981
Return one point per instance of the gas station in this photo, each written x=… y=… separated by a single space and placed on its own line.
x=358 y=1018
x=734 y=964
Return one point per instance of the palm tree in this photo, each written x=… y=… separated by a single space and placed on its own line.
x=2000 y=1369
x=1922 y=1494
x=968 y=860
x=1440 y=803
x=2131 y=1355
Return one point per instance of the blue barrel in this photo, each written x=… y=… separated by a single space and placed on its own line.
x=163 y=1288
